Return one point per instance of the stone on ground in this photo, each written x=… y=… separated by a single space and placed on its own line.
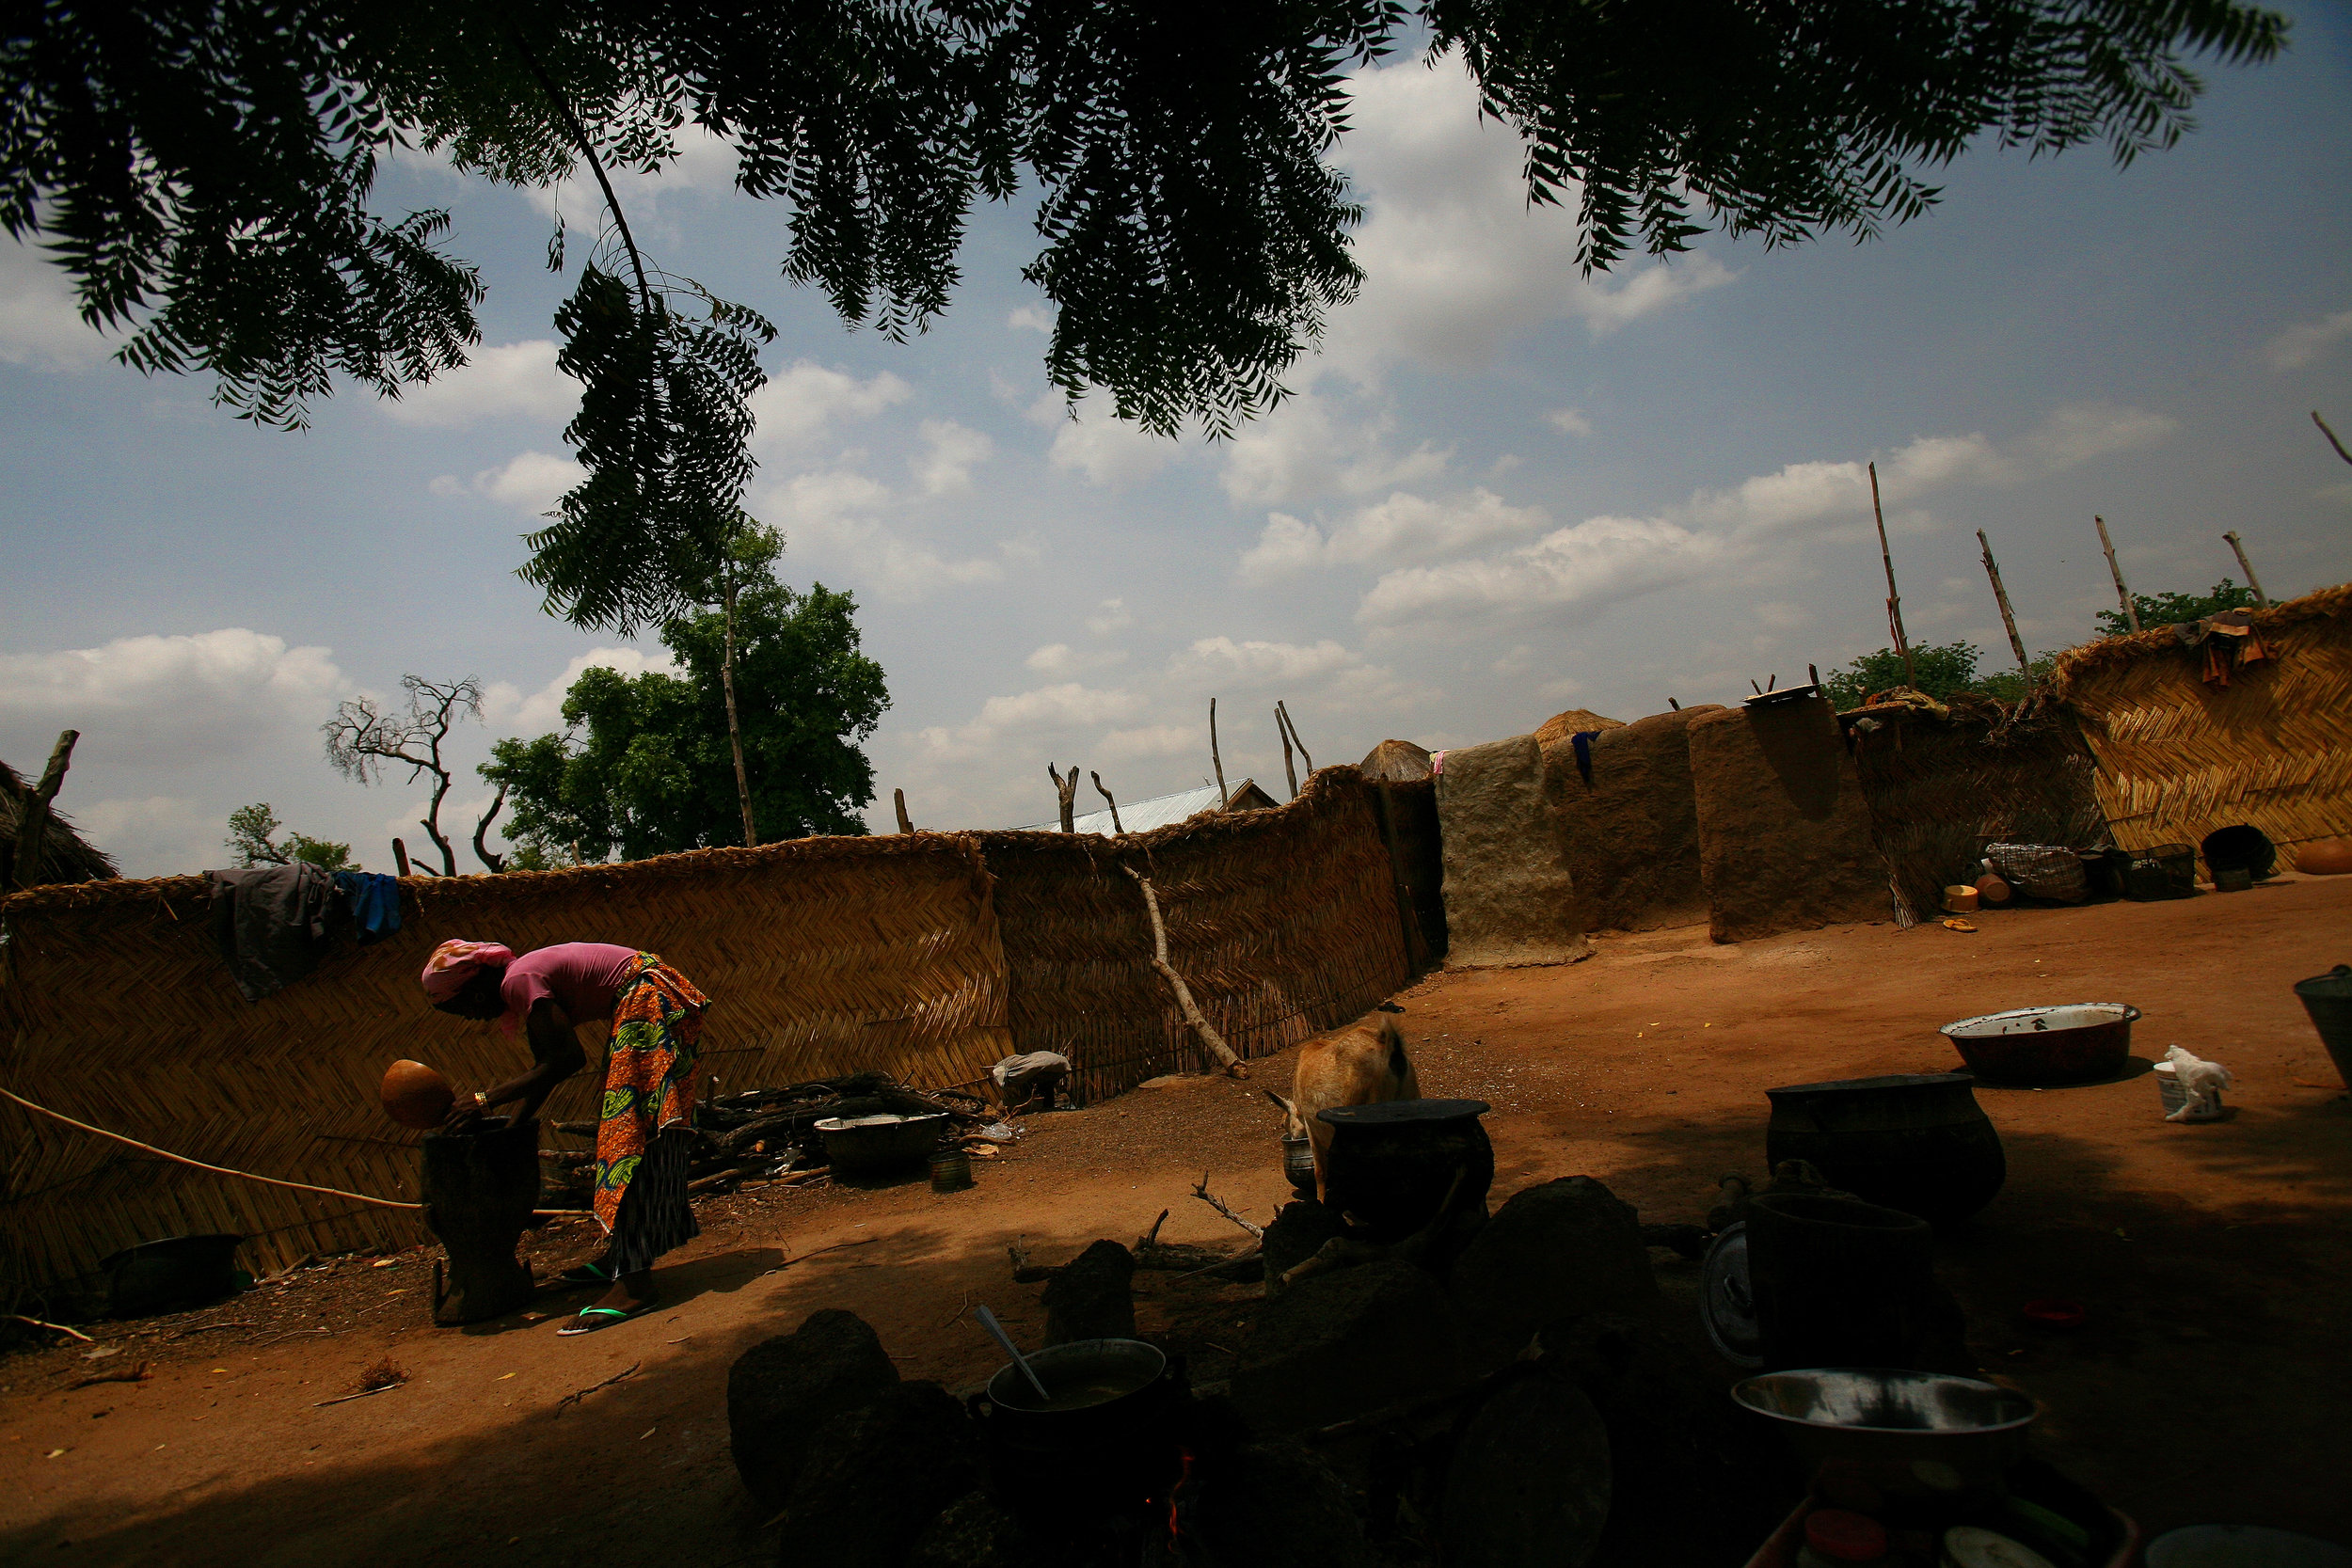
x=782 y=1391
x=1340 y=1344
x=878 y=1477
x=1528 y=1486
x=1560 y=1249
x=1090 y=1296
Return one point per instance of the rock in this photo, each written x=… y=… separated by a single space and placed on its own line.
x=1337 y=1345
x=1089 y=1297
x=1561 y=1249
x=976 y=1531
x=782 y=1391
x=1528 y=1486
x=877 y=1478
x=1275 y=1505
x=1299 y=1229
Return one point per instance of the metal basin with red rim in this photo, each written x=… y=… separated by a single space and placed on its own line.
x=2082 y=1042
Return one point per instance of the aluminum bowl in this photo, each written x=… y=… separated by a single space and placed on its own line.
x=1905 y=1433
x=882 y=1142
x=2082 y=1042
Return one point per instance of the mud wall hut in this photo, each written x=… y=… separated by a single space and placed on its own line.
x=1509 y=895
x=1784 y=835
x=1629 y=816
x=2180 y=755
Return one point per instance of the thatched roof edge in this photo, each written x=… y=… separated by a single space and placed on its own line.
x=2092 y=658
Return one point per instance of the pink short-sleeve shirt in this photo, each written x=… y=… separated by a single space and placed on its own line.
x=582 y=977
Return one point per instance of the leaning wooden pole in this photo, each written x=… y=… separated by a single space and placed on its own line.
x=1290 y=766
x=899 y=799
x=1894 y=600
x=1116 y=826
x=2009 y=619
x=1291 y=724
x=2122 y=594
x=2331 y=436
x=1217 y=761
x=31 y=822
x=2261 y=598
x=1215 y=1042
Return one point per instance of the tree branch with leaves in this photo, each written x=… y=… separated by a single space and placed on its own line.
x=363 y=740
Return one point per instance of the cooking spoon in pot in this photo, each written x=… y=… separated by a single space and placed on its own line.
x=988 y=1321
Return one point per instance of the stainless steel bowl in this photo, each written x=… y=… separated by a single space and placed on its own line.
x=1905 y=1433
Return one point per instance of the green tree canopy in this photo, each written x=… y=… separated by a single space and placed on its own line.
x=205 y=170
x=253 y=840
x=644 y=768
x=1944 y=672
x=2164 y=609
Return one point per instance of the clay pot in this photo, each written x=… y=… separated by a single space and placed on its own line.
x=1391 y=1163
x=415 y=1095
x=1992 y=891
x=2324 y=857
x=1917 y=1142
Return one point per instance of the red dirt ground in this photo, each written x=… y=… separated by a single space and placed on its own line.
x=2207 y=1385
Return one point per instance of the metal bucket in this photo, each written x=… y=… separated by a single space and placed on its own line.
x=951 y=1171
x=1298 y=1165
x=2328 y=999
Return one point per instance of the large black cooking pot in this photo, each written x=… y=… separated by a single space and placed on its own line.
x=1107 y=1439
x=1918 y=1142
x=1390 y=1164
x=171 y=1275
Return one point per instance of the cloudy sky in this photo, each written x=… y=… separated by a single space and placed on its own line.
x=1499 y=490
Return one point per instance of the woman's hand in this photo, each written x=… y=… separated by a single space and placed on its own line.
x=465 y=1114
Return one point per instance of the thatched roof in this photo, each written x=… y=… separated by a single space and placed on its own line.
x=1395 y=762
x=65 y=858
x=2328 y=603
x=1560 y=726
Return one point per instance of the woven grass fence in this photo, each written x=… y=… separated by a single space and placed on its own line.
x=1283 y=923
x=821 y=956
x=1940 y=789
x=2179 y=759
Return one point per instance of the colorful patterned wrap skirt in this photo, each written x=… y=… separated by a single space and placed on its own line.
x=649 y=1079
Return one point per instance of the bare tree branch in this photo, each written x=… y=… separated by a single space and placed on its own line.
x=495 y=861
x=362 y=739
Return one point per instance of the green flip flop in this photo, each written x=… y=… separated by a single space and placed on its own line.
x=579 y=1274
x=591 y=1319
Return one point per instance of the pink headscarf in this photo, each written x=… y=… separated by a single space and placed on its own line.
x=456 y=962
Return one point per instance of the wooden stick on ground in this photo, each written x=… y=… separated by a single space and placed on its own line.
x=2261 y=598
x=1894 y=600
x=1154 y=1234
x=1215 y=1042
x=59 y=1327
x=385 y=1388
x=2122 y=594
x=135 y=1372
x=576 y=1395
x=1200 y=1191
x=2009 y=619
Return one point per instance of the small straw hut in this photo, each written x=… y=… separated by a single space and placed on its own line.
x=66 y=857
x=2268 y=744
x=1395 y=762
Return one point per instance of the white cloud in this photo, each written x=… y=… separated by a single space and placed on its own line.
x=1456 y=260
x=1108 y=450
x=1060 y=658
x=532 y=483
x=1583 y=565
x=157 y=836
x=1045 y=713
x=1110 y=616
x=163 y=702
x=800 y=405
x=1032 y=318
x=506 y=706
x=1780 y=615
x=2079 y=432
x=833 y=513
x=1307 y=447
x=1569 y=421
x=39 y=324
x=704 y=166
x=1402 y=528
x=944 y=468
x=517 y=380
x=2305 y=341
x=1214 y=660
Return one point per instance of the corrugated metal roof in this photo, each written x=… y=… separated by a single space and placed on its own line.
x=1140 y=816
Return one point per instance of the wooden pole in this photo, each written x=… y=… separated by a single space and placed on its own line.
x=899 y=799
x=400 y=858
x=2261 y=598
x=2331 y=436
x=1894 y=600
x=1290 y=769
x=2016 y=644
x=32 y=819
x=1291 y=724
x=1066 y=790
x=1116 y=826
x=1213 y=1041
x=2122 y=594
x=1215 y=760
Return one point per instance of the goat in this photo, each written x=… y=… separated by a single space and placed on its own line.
x=1363 y=1064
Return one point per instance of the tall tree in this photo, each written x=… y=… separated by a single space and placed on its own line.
x=253 y=841
x=643 y=767
x=363 y=739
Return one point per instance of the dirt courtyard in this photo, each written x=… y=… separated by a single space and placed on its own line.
x=2215 y=1260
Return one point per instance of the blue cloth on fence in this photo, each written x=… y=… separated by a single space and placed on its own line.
x=373 y=900
x=1582 y=741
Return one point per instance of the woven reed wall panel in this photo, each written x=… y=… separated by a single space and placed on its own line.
x=821 y=956
x=2179 y=759
x=1283 y=923
x=1940 y=789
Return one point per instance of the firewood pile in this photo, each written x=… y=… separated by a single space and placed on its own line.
x=770 y=1133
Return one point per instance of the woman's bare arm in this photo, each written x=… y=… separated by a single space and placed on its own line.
x=556 y=1054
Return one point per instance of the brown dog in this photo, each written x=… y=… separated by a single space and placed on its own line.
x=1363 y=1064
